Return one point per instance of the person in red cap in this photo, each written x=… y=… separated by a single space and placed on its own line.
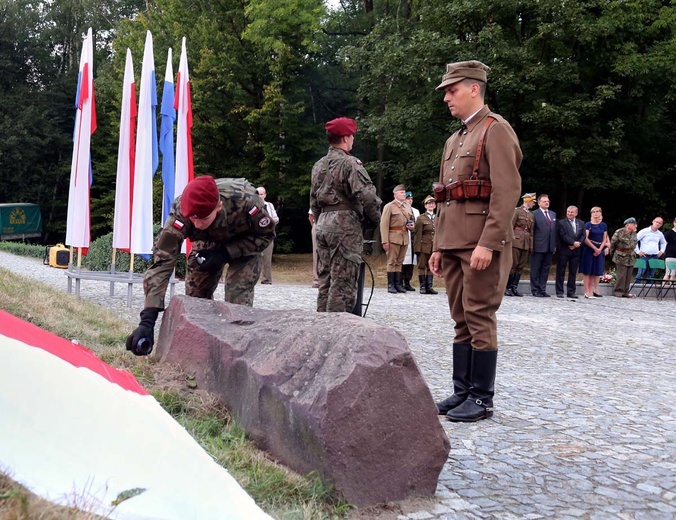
x=228 y=224
x=341 y=196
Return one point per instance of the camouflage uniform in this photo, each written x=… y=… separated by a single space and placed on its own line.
x=622 y=247
x=341 y=193
x=243 y=227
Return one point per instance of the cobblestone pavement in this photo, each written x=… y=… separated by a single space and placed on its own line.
x=584 y=425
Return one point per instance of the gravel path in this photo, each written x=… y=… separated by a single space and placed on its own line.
x=584 y=425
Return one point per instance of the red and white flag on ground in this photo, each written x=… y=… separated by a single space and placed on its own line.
x=125 y=160
x=80 y=433
x=78 y=232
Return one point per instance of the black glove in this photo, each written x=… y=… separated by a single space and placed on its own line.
x=212 y=259
x=140 y=342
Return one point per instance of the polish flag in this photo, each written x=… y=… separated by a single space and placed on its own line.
x=80 y=433
x=125 y=161
x=78 y=232
x=146 y=156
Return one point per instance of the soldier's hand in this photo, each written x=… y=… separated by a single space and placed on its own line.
x=141 y=341
x=481 y=258
x=434 y=263
x=212 y=259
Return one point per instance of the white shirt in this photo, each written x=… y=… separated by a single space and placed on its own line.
x=650 y=242
x=271 y=211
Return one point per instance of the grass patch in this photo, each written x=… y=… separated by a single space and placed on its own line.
x=280 y=492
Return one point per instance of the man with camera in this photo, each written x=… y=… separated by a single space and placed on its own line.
x=480 y=186
x=396 y=222
x=228 y=224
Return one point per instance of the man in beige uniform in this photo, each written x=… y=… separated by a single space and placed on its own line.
x=472 y=248
x=395 y=223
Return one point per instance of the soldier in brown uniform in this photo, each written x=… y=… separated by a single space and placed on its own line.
x=423 y=240
x=395 y=223
x=522 y=245
x=341 y=195
x=480 y=186
x=228 y=224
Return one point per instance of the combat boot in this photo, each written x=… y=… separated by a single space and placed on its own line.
x=430 y=281
x=390 y=283
x=397 y=283
x=423 y=284
x=479 y=402
x=515 y=285
x=406 y=275
x=462 y=368
x=508 y=289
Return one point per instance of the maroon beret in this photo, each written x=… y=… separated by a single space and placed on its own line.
x=200 y=197
x=342 y=126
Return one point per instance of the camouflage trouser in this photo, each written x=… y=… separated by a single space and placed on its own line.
x=242 y=276
x=339 y=249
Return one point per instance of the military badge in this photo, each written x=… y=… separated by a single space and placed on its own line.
x=253 y=211
x=178 y=224
x=264 y=222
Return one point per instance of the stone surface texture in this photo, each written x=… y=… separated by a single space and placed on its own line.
x=330 y=393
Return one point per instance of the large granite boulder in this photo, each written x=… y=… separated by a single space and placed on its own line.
x=331 y=393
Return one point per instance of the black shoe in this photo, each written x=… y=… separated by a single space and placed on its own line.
x=559 y=295
x=515 y=292
x=597 y=295
x=509 y=292
x=573 y=296
x=538 y=295
x=430 y=282
x=545 y=295
x=408 y=286
x=397 y=283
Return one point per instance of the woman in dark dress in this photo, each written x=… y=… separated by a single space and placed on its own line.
x=594 y=250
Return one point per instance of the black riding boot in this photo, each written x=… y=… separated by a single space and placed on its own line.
x=406 y=276
x=462 y=368
x=390 y=283
x=515 y=285
x=423 y=284
x=479 y=402
x=397 y=283
x=508 y=289
x=430 y=281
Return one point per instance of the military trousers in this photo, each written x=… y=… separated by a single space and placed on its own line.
x=240 y=280
x=622 y=279
x=519 y=260
x=395 y=257
x=475 y=296
x=423 y=263
x=266 y=267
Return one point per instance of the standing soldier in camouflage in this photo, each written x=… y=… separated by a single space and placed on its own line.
x=623 y=254
x=228 y=224
x=341 y=195
x=522 y=245
x=395 y=223
x=423 y=239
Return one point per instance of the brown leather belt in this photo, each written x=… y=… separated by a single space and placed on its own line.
x=400 y=228
x=624 y=250
x=521 y=228
x=336 y=207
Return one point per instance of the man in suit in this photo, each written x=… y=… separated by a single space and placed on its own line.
x=544 y=246
x=571 y=235
x=472 y=247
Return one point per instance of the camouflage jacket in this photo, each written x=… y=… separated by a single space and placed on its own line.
x=340 y=178
x=622 y=247
x=243 y=227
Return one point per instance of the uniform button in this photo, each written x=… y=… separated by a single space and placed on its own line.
x=484 y=212
x=465 y=132
x=502 y=242
x=460 y=144
x=452 y=167
x=456 y=156
x=466 y=153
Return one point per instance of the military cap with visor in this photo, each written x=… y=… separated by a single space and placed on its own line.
x=527 y=197
x=399 y=187
x=463 y=70
x=429 y=199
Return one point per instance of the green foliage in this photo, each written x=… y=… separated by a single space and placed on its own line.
x=21 y=249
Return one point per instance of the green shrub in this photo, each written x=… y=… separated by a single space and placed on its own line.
x=21 y=249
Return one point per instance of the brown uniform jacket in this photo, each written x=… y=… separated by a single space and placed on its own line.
x=423 y=238
x=393 y=223
x=522 y=223
x=464 y=225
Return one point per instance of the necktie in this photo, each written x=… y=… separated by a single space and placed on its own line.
x=549 y=220
x=572 y=223
x=463 y=128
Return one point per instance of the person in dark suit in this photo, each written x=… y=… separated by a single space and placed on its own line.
x=571 y=236
x=544 y=245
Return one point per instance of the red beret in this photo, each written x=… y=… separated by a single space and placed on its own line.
x=341 y=126
x=200 y=197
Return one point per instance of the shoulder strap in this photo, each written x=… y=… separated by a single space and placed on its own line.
x=479 y=148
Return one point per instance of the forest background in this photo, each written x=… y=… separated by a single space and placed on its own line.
x=587 y=85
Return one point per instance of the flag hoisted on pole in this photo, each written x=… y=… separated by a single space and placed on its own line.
x=167 y=139
x=182 y=103
x=125 y=161
x=78 y=232
x=146 y=156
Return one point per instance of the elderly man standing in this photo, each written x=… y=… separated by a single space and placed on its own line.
x=622 y=252
x=395 y=224
x=650 y=245
x=341 y=195
x=473 y=234
x=266 y=266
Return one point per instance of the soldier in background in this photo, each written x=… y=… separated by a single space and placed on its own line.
x=341 y=195
x=266 y=266
x=622 y=252
x=522 y=245
x=423 y=239
x=410 y=257
x=228 y=224
x=395 y=223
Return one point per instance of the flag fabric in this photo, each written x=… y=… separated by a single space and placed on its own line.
x=80 y=433
x=146 y=156
x=167 y=139
x=125 y=160
x=78 y=232
x=182 y=103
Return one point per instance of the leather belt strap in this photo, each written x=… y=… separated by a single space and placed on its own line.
x=399 y=228
x=336 y=207
x=521 y=228
x=624 y=250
